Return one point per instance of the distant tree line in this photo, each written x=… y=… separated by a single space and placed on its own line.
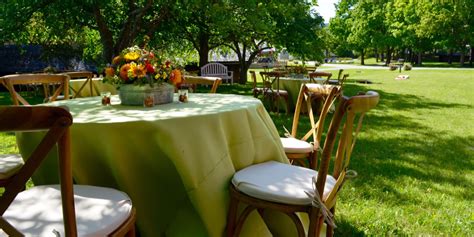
x=406 y=28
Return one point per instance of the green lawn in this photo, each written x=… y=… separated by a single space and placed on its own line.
x=414 y=155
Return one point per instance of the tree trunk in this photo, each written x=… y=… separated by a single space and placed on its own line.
x=419 y=61
x=462 y=59
x=389 y=56
x=203 y=50
x=362 y=54
x=244 y=67
x=450 y=57
x=376 y=54
x=471 y=54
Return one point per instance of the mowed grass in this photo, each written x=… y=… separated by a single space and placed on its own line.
x=414 y=156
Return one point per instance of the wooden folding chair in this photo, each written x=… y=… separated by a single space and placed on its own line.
x=255 y=90
x=290 y=189
x=62 y=82
x=88 y=79
x=314 y=75
x=300 y=150
x=58 y=210
x=214 y=82
x=272 y=91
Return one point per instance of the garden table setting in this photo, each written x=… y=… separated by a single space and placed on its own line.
x=293 y=85
x=174 y=160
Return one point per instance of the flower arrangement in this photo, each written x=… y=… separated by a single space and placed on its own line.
x=298 y=69
x=139 y=66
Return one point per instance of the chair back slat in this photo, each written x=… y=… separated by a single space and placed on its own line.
x=10 y=81
x=200 y=80
x=348 y=108
x=56 y=121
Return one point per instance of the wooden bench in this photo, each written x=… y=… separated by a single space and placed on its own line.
x=217 y=70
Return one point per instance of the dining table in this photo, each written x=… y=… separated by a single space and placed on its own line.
x=174 y=160
x=293 y=84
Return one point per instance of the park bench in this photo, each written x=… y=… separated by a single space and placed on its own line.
x=217 y=70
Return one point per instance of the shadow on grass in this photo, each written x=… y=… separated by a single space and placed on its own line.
x=345 y=228
x=414 y=150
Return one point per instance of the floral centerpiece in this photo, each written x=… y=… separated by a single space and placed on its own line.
x=137 y=71
x=297 y=71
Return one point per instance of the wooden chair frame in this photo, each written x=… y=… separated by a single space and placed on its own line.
x=255 y=90
x=348 y=108
x=274 y=94
x=83 y=74
x=305 y=99
x=340 y=80
x=313 y=75
x=10 y=81
x=195 y=80
x=56 y=121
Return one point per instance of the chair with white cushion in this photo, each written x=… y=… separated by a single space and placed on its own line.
x=292 y=189
x=300 y=150
x=9 y=165
x=57 y=210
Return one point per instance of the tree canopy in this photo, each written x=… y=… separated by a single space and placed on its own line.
x=108 y=26
x=404 y=26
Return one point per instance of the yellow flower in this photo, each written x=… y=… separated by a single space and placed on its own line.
x=137 y=70
x=132 y=56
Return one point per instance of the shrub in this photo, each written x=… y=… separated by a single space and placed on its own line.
x=392 y=67
x=407 y=67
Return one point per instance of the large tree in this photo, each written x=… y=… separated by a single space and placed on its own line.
x=119 y=23
x=257 y=25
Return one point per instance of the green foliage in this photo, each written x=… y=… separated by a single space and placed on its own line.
x=403 y=24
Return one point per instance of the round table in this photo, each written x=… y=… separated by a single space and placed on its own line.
x=174 y=160
x=293 y=86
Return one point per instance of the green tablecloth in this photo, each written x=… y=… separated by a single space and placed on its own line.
x=174 y=160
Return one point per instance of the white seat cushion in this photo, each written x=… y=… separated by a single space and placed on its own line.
x=9 y=165
x=293 y=145
x=38 y=211
x=278 y=182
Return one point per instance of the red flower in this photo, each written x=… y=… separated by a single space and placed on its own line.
x=168 y=64
x=149 y=68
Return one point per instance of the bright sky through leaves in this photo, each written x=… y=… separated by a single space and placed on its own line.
x=327 y=9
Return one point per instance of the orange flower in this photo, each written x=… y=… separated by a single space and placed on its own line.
x=117 y=60
x=124 y=72
x=175 y=76
x=109 y=72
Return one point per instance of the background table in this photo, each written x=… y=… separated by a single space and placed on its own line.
x=174 y=160
x=97 y=87
x=293 y=85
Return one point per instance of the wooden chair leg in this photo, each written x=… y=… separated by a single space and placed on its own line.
x=287 y=104
x=232 y=216
x=329 y=229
